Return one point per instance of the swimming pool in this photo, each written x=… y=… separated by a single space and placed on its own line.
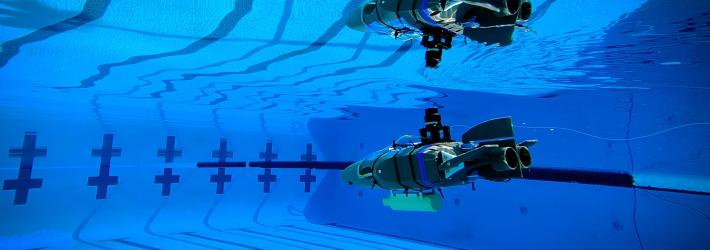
x=107 y=106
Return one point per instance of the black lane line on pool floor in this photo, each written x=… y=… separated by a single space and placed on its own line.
x=148 y=230
x=133 y=244
x=344 y=236
x=286 y=238
x=393 y=236
x=194 y=235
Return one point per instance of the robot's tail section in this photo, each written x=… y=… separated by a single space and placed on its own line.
x=495 y=129
x=487 y=159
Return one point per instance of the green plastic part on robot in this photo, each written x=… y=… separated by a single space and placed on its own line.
x=413 y=202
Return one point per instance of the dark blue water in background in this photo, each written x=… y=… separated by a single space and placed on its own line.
x=604 y=85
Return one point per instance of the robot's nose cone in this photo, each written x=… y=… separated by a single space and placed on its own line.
x=351 y=175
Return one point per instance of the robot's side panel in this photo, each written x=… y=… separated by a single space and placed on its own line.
x=372 y=20
x=406 y=167
x=426 y=163
x=407 y=12
x=384 y=171
x=387 y=13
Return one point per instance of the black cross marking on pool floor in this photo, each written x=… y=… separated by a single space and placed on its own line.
x=24 y=181
x=104 y=179
x=220 y=178
x=221 y=154
x=167 y=178
x=170 y=152
x=268 y=155
x=308 y=178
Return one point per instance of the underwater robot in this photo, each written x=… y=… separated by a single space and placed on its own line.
x=438 y=21
x=414 y=171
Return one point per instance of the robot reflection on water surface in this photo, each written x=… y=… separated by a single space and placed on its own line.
x=437 y=22
x=414 y=171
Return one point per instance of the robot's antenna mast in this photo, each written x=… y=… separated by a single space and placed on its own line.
x=434 y=131
x=435 y=40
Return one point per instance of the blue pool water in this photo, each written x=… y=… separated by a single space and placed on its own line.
x=611 y=86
